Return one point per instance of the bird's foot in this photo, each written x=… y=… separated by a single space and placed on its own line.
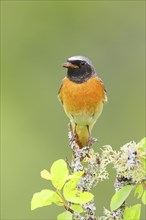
x=73 y=138
x=91 y=141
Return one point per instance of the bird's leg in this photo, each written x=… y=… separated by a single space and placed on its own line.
x=73 y=136
x=91 y=139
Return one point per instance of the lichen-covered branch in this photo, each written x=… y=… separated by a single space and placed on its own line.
x=126 y=162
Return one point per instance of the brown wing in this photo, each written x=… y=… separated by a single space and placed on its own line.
x=59 y=93
x=105 y=92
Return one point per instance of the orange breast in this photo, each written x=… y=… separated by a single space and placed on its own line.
x=79 y=97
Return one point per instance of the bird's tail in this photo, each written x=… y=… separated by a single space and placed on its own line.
x=82 y=134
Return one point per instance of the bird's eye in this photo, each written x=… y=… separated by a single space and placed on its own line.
x=82 y=63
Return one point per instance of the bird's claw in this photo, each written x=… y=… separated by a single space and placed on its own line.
x=91 y=141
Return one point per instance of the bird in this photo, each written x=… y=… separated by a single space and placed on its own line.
x=82 y=94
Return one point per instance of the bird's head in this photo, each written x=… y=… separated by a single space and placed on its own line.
x=80 y=69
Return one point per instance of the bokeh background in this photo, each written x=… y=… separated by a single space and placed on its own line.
x=37 y=37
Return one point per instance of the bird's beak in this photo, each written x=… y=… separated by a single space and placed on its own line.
x=70 y=65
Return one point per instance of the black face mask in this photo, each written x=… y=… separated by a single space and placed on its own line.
x=81 y=74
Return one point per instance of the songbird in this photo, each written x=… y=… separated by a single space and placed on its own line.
x=82 y=95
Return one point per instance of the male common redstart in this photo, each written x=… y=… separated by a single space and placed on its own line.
x=82 y=95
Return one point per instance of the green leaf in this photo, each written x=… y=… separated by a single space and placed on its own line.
x=132 y=212
x=77 y=196
x=64 y=216
x=120 y=196
x=144 y=198
x=42 y=198
x=138 y=191
x=45 y=175
x=59 y=173
x=72 y=183
x=77 y=208
x=143 y=162
x=70 y=186
x=76 y=175
x=142 y=144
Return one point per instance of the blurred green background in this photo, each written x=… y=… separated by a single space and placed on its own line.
x=37 y=37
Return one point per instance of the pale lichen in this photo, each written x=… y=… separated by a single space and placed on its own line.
x=129 y=164
x=112 y=215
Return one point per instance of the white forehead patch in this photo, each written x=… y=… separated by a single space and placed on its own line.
x=81 y=58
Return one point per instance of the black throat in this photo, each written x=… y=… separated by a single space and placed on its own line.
x=78 y=76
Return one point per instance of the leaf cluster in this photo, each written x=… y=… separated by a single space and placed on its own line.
x=65 y=194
